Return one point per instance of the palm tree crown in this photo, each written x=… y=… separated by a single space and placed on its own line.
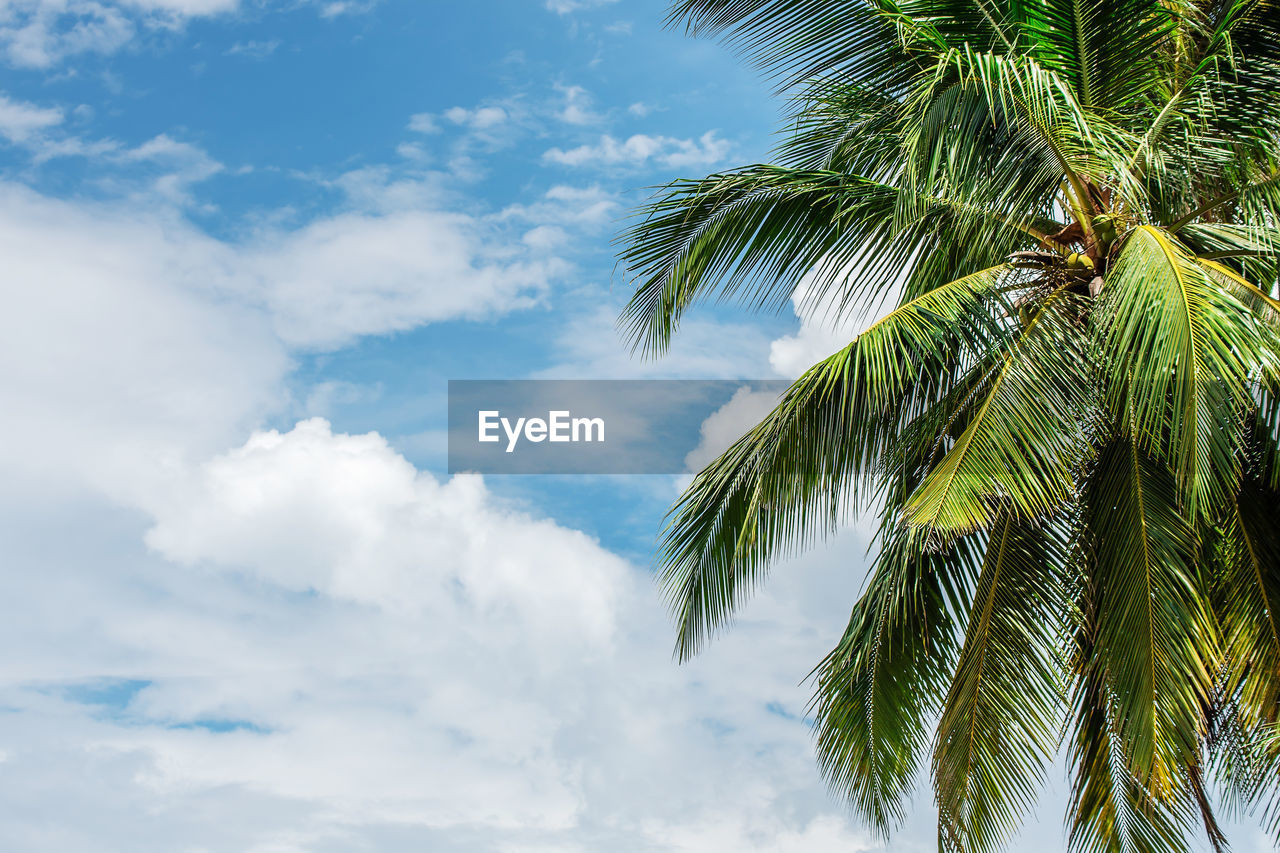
x=1070 y=423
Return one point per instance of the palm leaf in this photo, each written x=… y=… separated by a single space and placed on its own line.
x=1155 y=640
x=796 y=474
x=1000 y=721
x=1028 y=435
x=878 y=687
x=1180 y=353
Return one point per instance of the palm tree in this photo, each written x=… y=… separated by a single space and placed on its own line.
x=1069 y=423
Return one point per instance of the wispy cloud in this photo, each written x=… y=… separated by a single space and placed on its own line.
x=21 y=121
x=577 y=106
x=564 y=7
x=424 y=123
x=254 y=49
x=45 y=33
x=641 y=149
x=477 y=118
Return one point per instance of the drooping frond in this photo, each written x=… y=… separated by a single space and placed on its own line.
x=791 y=477
x=877 y=689
x=1110 y=811
x=1029 y=432
x=1155 y=644
x=1000 y=721
x=1180 y=357
x=1247 y=552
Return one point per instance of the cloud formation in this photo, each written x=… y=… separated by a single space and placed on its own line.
x=642 y=149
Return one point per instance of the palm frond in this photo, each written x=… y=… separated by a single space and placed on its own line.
x=796 y=474
x=1180 y=355
x=1000 y=721
x=877 y=689
x=1029 y=433
x=1156 y=646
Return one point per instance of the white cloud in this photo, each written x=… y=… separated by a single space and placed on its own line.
x=545 y=237
x=767 y=834
x=160 y=340
x=478 y=118
x=591 y=346
x=43 y=33
x=355 y=647
x=564 y=7
x=591 y=208
x=254 y=49
x=792 y=355
x=40 y=33
x=746 y=408
x=336 y=8
x=424 y=123
x=825 y=324
x=577 y=106
x=180 y=164
x=121 y=355
x=171 y=165
x=20 y=121
x=183 y=8
x=363 y=273
x=349 y=517
x=642 y=149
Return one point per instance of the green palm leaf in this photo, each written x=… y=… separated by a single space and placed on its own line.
x=795 y=474
x=1156 y=643
x=877 y=688
x=1181 y=353
x=999 y=726
x=1026 y=438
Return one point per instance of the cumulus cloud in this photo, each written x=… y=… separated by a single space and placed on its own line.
x=132 y=338
x=746 y=408
x=642 y=149
x=348 y=517
x=328 y=648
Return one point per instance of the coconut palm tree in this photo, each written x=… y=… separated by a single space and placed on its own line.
x=1069 y=422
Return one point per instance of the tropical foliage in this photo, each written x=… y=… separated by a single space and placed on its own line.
x=1069 y=423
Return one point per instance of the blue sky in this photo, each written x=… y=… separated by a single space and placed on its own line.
x=246 y=243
